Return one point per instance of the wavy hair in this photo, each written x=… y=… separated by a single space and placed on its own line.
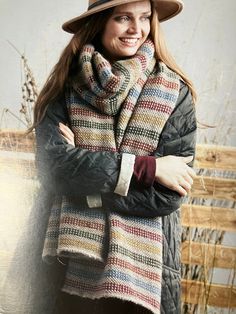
x=164 y=55
x=90 y=32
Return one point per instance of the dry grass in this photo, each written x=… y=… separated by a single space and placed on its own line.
x=29 y=93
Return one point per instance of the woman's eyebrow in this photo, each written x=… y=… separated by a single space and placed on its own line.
x=130 y=13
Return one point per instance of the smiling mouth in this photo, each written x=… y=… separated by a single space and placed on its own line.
x=129 y=41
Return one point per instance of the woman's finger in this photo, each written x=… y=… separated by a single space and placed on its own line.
x=68 y=140
x=67 y=134
x=188 y=178
x=191 y=172
x=179 y=189
x=187 y=159
x=185 y=185
x=65 y=128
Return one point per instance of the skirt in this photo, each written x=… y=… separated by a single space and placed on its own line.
x=71 y=304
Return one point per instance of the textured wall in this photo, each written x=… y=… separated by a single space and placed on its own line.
x=203 y=40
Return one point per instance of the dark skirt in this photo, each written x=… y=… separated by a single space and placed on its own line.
x=70 y=304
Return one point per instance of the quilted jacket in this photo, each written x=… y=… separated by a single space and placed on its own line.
x=74 y=171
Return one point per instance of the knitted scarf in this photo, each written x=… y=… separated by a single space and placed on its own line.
x=120 y=107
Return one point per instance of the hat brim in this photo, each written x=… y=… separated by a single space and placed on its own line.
x=166 y=9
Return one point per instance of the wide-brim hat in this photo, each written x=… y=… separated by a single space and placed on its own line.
x=166 y=9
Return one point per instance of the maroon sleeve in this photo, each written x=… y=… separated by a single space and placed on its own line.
x=144 y=170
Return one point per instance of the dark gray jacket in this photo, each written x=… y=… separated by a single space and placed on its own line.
x=75 y=172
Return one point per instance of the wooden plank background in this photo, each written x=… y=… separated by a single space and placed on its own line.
x=211 y=255
x=196 y=292
x=17 y=141
x=208 y=217
x=216 y=157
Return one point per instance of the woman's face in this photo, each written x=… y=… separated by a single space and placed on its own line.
x=126 y=30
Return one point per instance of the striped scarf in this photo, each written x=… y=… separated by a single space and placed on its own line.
x=120 y=107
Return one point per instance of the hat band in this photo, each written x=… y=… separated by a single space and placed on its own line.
x=99 y=2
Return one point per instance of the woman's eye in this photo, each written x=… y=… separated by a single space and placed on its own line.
x=146 y=18
x=122 y=18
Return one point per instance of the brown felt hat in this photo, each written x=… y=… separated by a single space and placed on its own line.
x=166 y=9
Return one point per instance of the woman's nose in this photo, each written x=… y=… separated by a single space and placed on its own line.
x=134 y=27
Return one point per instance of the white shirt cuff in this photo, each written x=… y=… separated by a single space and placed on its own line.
x=126 y=173
x=94 y=200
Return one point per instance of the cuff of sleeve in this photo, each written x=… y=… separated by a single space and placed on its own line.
x=126 y=173
x=144 y=170
x=94 y=201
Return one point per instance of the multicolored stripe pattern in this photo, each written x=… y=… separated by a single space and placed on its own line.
x=122 y=108
x=131 y=268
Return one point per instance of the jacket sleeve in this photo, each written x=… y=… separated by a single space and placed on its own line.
x=70 y=170
x=178 y=138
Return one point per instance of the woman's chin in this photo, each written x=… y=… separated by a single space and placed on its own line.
x=127 y=53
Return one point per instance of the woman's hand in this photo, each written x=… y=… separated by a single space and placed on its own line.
x=174 y=173
x=67 y=134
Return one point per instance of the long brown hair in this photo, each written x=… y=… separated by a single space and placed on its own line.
x=90 y=33
x=66 y=66
x=164 y=55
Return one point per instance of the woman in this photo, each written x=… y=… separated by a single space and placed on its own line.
x=115 y=127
